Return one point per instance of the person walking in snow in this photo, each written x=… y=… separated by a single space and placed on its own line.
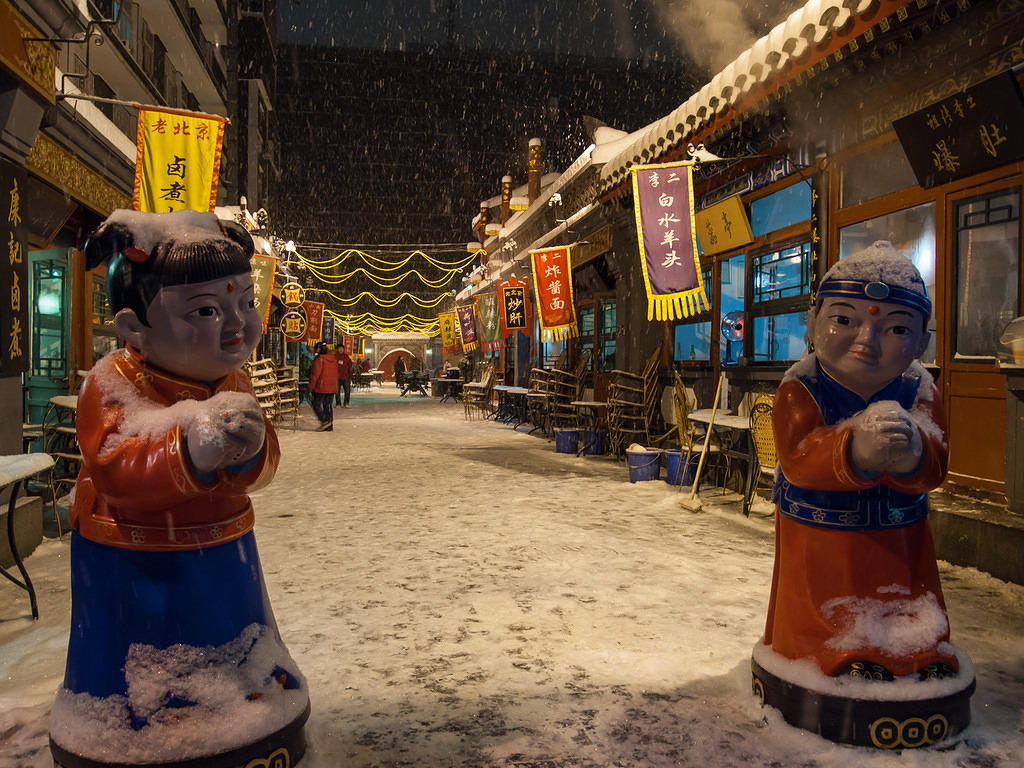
x=323 y=386
x=399 y=371
x=344 y=375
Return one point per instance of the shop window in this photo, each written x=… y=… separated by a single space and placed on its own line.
x=874 y=174
x=987 y=263
x=780 y=337
x=48 y=356
x=607 y=330
x=912 y=232
x=734 y=271
x=693 y=339
x=780 y=291
x=585 y=318
x=781 y=209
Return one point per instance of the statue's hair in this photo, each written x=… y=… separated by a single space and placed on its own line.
x=147 y=251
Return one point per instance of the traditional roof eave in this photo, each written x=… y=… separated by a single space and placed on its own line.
x=787 y=54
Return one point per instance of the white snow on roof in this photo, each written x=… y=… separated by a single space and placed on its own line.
x=789 y=41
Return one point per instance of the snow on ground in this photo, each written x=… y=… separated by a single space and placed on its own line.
x=458 y=594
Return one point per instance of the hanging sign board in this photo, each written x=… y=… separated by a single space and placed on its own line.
x=467 y=327
x=449 y=339
x=723 y=226
x=292 y=295
x=976 y=130
x=293 y=325
x=666 y=235
x=513 y=307
x=487 y=310
x=552 y=285
x=263 y=268
x=314 y=312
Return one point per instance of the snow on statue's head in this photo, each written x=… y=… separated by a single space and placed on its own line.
x=870 y=318
x=181 y=289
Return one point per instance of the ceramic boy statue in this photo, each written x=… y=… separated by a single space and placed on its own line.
x=174 y=652
x=861 y=439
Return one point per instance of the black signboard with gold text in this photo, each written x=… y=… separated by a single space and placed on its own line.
x=976 y=130
x=13 y=272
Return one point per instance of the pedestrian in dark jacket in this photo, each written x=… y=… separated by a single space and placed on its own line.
x=323 y=386
x=399 y=370
x=344 y=375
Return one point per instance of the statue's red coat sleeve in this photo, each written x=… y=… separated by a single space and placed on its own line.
x=816 y=456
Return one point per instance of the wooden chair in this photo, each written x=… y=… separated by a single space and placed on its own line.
x=762 y=434
x=633 y=401
x=567 y=386
x=477 y=395
x=538 y=401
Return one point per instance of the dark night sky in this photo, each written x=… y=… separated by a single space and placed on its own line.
x=709 y=32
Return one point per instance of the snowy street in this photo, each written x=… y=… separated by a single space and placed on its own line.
x=458 y=594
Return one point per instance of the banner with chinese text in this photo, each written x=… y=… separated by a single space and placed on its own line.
x=552 y=282
x=350 y=344
x=314 y=311
x=177 y=160
x=487 y=311
x=663 y=206
x=515 y=307
x=359 y=348
x=467 y=327
x=327 y=329
x=263 y=268
x=449 y=340
x=14 y=286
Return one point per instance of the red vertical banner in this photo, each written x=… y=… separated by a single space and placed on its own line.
x=314 y=319
x=552 y=281
x=350 y=345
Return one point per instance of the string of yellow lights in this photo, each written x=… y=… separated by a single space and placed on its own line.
x=349 y=301
x=389 y=265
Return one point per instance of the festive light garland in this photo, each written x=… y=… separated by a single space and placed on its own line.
x=347 y=302
x=369 y=322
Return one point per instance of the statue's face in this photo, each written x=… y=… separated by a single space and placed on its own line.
x=202 y=331
x=865 y=344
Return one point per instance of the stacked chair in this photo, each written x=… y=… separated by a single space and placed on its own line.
x=538 y=401
x=633 y=403
x=477 y=396
x=567 y=386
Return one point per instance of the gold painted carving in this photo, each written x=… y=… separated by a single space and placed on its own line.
x=50 y=161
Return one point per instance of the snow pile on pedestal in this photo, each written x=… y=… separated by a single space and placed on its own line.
x=236 y=699
x=806 y=674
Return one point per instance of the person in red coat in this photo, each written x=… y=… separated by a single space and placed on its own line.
x=323 y=386
x=167 y=588
x=861 y=439
x=344 y=375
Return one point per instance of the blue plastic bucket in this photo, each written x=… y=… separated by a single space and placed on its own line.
x=675 y=473
x=594 y=442
x=643 y=465
x=566 y=440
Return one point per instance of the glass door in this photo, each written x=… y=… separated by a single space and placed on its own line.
x=50 y=298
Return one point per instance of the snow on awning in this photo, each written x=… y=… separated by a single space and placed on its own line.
x=799 y=41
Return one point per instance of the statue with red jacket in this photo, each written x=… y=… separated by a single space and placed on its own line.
x=174 y=653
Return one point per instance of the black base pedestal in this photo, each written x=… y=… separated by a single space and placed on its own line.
x=866 y=722
x=282 y=749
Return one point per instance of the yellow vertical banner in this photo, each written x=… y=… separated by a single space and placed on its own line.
x=177 y=160
x=263 y=268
